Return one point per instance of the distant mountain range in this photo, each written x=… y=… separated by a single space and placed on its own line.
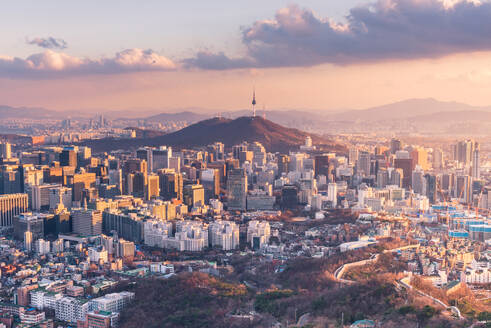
x=7 y=112
x=408 y=115
x=273 y=136
x=411 y=108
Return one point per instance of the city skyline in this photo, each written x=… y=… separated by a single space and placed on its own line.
x=246 y=164
x=324 y=55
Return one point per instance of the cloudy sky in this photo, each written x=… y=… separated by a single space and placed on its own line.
x=313 y=54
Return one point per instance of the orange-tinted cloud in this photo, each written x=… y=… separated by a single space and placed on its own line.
x=51 y=64
x=383 y=30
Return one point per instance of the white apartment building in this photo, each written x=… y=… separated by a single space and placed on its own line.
x=70 y=309
x=114 y=302
x=224 y=234
x=258 y=233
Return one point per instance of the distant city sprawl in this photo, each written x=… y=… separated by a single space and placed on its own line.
x=282 y=227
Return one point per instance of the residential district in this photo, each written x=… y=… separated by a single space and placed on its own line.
x=75 y=225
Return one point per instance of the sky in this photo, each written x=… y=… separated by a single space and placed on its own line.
x=172 y=55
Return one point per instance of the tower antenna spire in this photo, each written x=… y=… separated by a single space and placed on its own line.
x=254 y=102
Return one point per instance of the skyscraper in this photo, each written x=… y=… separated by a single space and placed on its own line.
x=418 y=181
x=476 y=170
x=283 y=163
x=431 y=187
x=407 y=166
x=463 y=188
x=210 y=179
x=463 y=151
x=259 y=153
x=194 y=195
x=352 y=156
x=171 y=184
x=321 y=164
x=332 y=194
x=145 y=154
x=10 y=206
x=5 y=150
x=160 y=158
x=68 y=157
x=364 y=163
x=236 y=189
x=395 y=145
x=87 y=222
x=437 y=159
x=420 y=157
x=153 y=186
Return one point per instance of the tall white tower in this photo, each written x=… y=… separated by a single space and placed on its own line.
x=254 y=103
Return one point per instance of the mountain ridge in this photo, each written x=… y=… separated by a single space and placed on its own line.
x=274 y=137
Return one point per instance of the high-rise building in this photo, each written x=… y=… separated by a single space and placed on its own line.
x=237 y=189
x=364 y=163
x=437 y=159
x=11 y=179
x=332 y=194
x=476 y=169
x=134 y=165
x=210 y=179
x=382 y=178
x=29 y=222
x=145 y=154
x=116 y=178
x=60 y=196
x=79 y=182
x=194 y=195
x=420 y=157
x=5 y=150
x=283 y=164
x=153 y=188
x=258 y=233
x=218 y=150
x=395 y=145
x=171 y=184
x=126 y=226
x=321 y=164
x=463 y=188
x=289 y=197
x=10 y=206
x=396 y=177
x=224 y=234
x=407 y=166
x=160 y=158
x=137 y=184
x=353 y=156
x=431 y=187
x=41 y=196
x=87 y=222
x=463 y=151
x=175 y=164
x=259 y=153
x=418 y=181
x=28 y=241
x=68 y=157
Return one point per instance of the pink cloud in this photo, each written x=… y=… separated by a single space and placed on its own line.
x=51 y=64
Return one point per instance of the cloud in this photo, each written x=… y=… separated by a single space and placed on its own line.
x=51 y=64
x=382 y=30
x=218 y=61
x=48 y=43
